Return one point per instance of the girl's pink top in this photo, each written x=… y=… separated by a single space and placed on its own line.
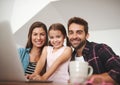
x=61 y=74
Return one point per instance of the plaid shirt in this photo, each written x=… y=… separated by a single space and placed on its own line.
x=102 y=58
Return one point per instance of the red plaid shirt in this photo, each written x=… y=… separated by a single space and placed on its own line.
x=102 y=58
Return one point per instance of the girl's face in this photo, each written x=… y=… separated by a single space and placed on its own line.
x=56 y=38
x=38 y=37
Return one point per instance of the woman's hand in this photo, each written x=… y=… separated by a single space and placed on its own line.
x=27 y=76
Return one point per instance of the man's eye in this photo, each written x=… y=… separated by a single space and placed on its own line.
x=70 y=33
x=79 y=32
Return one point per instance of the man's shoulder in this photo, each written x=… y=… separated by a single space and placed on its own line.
x=99 y=46
x=95 y=44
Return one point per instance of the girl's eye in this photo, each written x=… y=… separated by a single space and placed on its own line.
x=58 y=36
x=51 y=37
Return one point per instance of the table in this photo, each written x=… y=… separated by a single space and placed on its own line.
x=30 y=83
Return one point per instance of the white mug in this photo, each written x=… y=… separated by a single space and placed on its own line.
x=79 y=72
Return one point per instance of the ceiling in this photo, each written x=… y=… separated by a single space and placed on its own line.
x=100 y=14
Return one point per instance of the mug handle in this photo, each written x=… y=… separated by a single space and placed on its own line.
x=91 y=71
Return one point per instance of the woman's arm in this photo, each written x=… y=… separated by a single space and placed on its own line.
x=60 y=60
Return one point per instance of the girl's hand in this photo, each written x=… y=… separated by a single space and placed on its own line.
x=33 y=76
x=36 y=77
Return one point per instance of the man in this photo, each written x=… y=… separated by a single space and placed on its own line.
x=105 y=63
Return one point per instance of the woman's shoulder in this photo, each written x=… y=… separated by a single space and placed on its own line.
x=24 y=49
x=21 y=49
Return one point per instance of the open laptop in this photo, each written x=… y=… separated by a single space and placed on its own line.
x=10 y=65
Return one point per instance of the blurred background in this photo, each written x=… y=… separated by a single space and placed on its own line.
x=103 y=17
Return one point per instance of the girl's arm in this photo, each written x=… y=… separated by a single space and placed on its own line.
x=41 y=62
x=60 y=60
x=40 y=65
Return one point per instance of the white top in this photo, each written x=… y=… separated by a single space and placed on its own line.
x=61 y=74
x=80 y=58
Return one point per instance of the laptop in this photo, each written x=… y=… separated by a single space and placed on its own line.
x=10 y=65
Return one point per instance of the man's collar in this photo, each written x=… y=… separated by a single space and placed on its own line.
x=87 y=47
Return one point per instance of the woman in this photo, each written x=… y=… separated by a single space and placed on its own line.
x=37 y=39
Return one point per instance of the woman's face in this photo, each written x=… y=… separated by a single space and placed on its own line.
x=38 y=37
x=56 y=38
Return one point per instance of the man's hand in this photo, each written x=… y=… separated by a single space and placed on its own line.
x=100 y=78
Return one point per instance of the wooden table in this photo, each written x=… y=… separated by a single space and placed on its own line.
x=30 y=83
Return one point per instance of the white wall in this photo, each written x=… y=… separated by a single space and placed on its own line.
x=6 y=9
x=109 y=37
x=18 y=12
x=24 y=10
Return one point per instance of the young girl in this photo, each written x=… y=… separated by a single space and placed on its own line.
x=57 y=55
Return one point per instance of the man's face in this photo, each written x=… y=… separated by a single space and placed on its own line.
x=76 y=35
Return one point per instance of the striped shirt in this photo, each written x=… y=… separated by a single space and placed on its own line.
x=31 y=67
x=102 y=58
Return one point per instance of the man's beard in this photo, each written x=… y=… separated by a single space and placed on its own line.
x=81 y=44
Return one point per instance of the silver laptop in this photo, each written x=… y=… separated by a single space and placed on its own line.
x=10 y=65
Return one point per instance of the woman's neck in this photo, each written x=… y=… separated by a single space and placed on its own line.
x=36 y=51
x=35 y=54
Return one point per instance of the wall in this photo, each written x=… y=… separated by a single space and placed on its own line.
x=24 y=10
x=18 y=12
x=6 y=9
x=110 y=37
